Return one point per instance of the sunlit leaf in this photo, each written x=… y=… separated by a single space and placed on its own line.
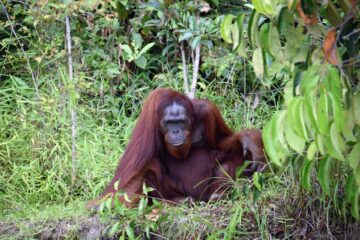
x=258 y=63
x=311 y=151
x=334 y=143
x=294 y=141
x=320 y=144
x=225 y=29
x=274 y=43
x=195 y=42
x=146 y=48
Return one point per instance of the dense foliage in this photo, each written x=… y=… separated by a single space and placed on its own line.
x=290 y=67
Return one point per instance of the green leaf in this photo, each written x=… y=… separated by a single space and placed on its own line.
x=264 y=37
x=278 y=131
x=295 y=117
x=253 y=28
x=138 y=40
x=333 y=82
x=258 y=63
x=347 y=130
x=167 y=48
x=356 y=108
x=338 y=111
x=275 y=46
x=127 y=49
x=294 y=141
x=332 y=143
x=235 y=35
x=185 y=36
x=141 y=62
x=195 y=42
x=310 y=109
x=258 y=6
x=146 y=49
x=336 y=142
x=225 y=29
x=324 y=173
x=240 y=170
x=240 y=22
x=130 y=233
x=269 y=144
x=350 y=187
x=320 y=144
x=258 y=181
x=354 y=157
x=323 y=113
x=306 y=174
x=311 y=151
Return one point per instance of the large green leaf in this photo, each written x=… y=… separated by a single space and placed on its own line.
x=311 y=151
x=253 y=28
x=348 y=128
x=278 y=131
x=354 y=162
x=334 y=143
x=258 y=63
x=275 y=46
x=354 y=157
x=323 y=113
x=338 y=111
x=356 y=108
x=226 y=28
x=306 y=174
x=264 y=37
x=324 y=173
x=320 y=144
x=141 y=62
x=270 y=146
x=294 y=141
x=295 y=117
x=310 y=109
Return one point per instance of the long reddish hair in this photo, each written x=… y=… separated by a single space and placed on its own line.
x=146 y=141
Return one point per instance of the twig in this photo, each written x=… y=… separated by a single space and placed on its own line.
x=23 y=51
x=73 y=112
x=185 y=70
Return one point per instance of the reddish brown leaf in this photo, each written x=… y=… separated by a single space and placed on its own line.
x=330 y=47
x=308 y=19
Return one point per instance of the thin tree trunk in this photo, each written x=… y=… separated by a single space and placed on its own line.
x=73 y=110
